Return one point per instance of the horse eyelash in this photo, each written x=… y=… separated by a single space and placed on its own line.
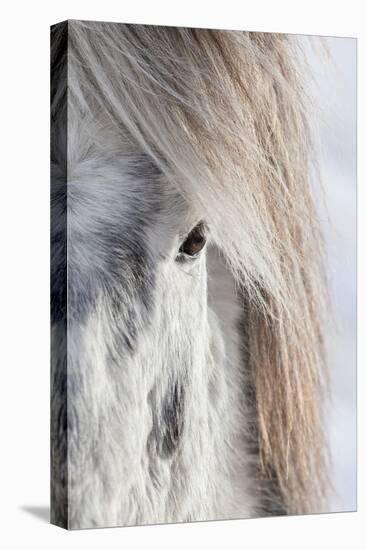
x=194 y=242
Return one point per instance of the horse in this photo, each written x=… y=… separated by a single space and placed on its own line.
x=188 y=293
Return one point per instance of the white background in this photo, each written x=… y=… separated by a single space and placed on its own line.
x=334 y=98
x=24 y=288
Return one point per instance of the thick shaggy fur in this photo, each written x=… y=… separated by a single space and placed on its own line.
x=183 y=388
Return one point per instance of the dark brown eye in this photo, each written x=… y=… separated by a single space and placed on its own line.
x=195 y=241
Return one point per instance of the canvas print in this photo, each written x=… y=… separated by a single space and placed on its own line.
x=191 y=277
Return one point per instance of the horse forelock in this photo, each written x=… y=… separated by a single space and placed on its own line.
x=221 y=120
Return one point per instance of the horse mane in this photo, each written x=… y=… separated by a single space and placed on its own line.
x=224 y=116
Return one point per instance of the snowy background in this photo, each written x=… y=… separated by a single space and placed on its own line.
x=335 y=101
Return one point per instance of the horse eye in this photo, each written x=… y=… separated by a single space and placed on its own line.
x=195 y=241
